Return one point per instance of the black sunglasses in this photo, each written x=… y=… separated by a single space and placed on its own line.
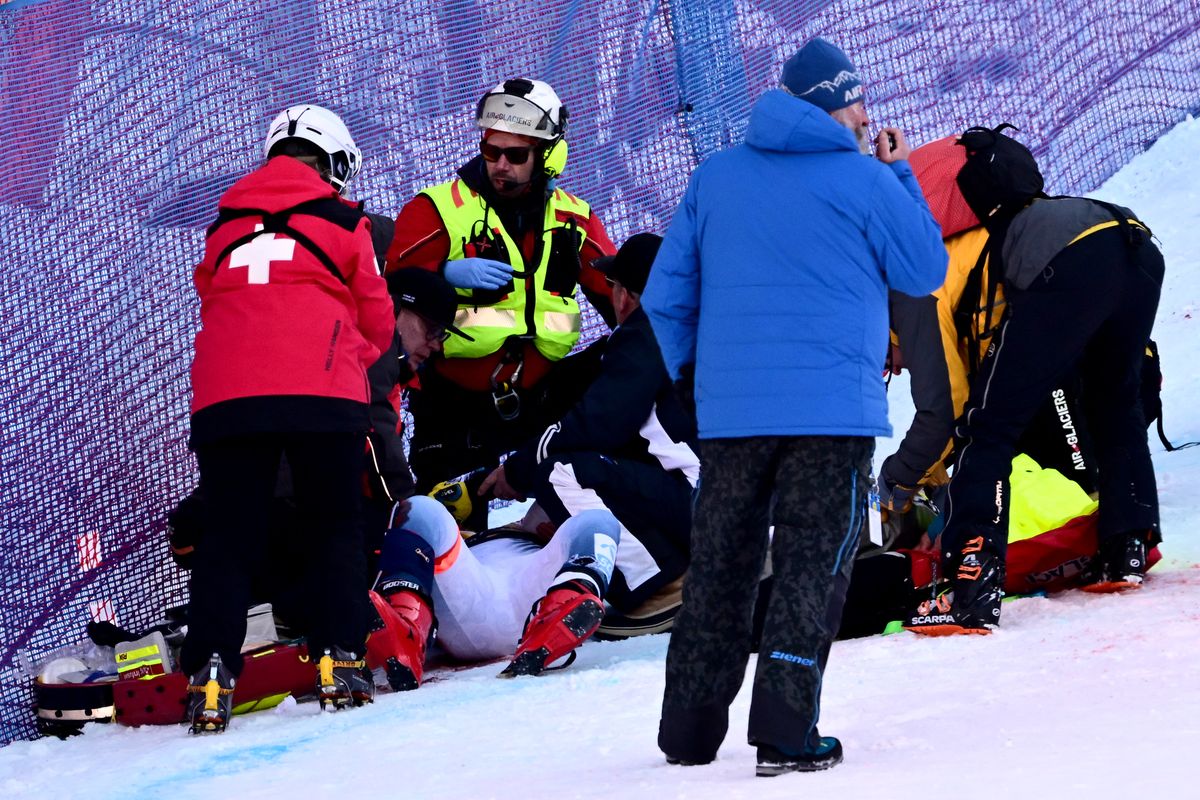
x=515 y=155
x=436 y=333
x=433 y=331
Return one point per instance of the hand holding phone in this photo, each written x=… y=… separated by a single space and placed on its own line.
x=890 y=145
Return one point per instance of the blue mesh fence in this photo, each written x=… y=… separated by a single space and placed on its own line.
x=125 y=120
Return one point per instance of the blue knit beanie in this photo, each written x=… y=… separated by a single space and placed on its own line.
x=821 y=74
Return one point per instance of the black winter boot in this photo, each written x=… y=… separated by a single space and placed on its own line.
x=343 y=680
x=826 y=753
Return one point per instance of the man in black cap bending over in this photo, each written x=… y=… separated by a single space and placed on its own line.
x=627 y=447
x=425 y=307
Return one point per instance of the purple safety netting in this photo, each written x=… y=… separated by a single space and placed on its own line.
x=125 y=121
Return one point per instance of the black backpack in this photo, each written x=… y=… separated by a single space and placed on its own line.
x=1000 y=176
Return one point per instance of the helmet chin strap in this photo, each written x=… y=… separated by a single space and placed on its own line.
x=339 y=186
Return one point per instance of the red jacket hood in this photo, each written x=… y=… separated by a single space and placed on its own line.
x=281 y=183
x=936 y=166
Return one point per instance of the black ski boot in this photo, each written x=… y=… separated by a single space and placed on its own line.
x=210 y=697
x=973 y=606
x=343 y=680
x=1120 y=565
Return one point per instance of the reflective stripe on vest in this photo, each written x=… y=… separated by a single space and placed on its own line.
x=556 y=319
x=560 y=322
x=473 y=317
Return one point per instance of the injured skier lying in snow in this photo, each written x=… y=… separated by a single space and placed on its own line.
x=501 y=587
x=531 y=595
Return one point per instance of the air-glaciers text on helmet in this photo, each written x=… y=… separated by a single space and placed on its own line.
x=494 y=116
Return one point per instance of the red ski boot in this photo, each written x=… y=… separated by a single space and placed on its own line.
x=558 y=623
x=400 y=633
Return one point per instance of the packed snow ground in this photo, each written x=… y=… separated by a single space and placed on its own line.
x=1075 y=696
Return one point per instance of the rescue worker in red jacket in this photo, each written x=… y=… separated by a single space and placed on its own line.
x=293 y=311
x=517 y=247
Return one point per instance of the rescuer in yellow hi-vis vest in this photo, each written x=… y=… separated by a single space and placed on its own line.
x=517 y=248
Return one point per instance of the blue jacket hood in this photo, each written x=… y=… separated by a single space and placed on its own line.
x=787 y=124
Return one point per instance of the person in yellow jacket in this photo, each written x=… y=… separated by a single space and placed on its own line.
x=1081 y=280
x=517 y=247
x=941 y=340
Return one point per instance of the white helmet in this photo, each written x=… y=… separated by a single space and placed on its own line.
x=326 y=130
x=525 y=107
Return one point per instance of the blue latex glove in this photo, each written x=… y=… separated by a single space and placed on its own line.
x=478 y=273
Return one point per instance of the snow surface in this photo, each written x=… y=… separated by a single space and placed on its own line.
x=1075 y=696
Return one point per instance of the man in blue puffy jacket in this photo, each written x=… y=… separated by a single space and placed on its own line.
x=771 y=290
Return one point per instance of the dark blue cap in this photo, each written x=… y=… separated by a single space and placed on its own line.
x=822 y=74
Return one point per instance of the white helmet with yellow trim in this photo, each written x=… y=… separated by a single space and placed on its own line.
x=528 y=108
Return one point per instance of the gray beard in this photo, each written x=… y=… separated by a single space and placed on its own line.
x=864 y=144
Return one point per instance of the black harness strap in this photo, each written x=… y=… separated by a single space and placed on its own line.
x=276 y=223
x=1162 y=437
x=1135 y=235
x=967 y=310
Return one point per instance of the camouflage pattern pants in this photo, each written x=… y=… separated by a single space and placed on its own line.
x=813 y=490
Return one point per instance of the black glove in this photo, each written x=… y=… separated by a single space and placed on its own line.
x=185 y=526
x=685 y=388
x=896 y=497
